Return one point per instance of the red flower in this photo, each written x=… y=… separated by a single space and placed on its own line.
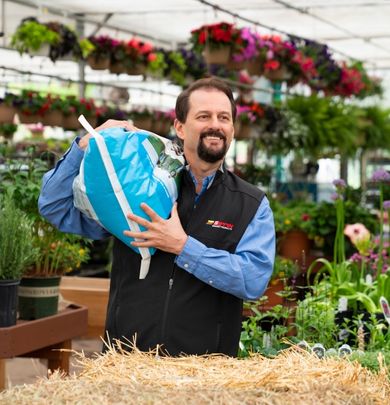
x=272 y=64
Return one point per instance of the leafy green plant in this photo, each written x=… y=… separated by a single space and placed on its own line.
x=8 y=130
x=255 y=339
x=16 y=245
x=31 y=36
x=56 y=252
x=315 y=319
x=332 y=125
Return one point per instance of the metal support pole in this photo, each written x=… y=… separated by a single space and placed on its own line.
x=80 y=26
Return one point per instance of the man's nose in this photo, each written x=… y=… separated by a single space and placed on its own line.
x=214 y=122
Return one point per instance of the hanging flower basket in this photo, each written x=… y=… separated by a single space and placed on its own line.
x=98 y=63
x=217 y=56
x=277 y=75
x=7 y=114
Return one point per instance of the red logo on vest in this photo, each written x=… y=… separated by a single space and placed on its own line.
x=220 y=224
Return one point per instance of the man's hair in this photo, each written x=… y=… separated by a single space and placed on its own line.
x=183 y=103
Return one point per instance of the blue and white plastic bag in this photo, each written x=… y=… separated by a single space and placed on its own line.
x=119 y=171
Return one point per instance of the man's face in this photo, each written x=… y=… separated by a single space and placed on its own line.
x=208 y=130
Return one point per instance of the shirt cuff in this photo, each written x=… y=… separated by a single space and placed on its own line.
x=190 y=255
x=74 y=155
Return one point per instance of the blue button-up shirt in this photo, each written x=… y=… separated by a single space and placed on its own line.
x=244 y=274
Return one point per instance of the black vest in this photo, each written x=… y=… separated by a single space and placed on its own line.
x=171 y=307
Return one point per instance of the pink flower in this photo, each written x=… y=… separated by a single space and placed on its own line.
x=357 y=233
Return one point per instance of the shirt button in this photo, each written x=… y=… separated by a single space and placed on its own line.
x=186 y=265
x=210 y=281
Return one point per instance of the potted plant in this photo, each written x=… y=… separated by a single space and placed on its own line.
x=99 y=58
x=7 y=131
x=68 y=47
x=34 y=38
x=16 y=253
x=215 y=42
x=250 y=120
x=138 y=55
x=118 y=57
x=56 y=253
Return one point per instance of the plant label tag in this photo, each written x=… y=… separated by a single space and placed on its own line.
x=343 y=304
x=369 y=279
x=385 y=308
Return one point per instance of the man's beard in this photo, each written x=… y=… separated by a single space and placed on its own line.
x=211 y=155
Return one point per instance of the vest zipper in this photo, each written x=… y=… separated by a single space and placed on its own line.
x=166 y=305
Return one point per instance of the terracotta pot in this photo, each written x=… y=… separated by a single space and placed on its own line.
x=293 y=243
x=98 y=63
x=277 y=75
x=217 y=56
x=7 y=114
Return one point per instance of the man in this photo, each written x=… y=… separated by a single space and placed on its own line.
x=215 y=250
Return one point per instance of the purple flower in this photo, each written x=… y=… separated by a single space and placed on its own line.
x=386 y=205
x=340 y=184
x=380 y=175
x=336 y=196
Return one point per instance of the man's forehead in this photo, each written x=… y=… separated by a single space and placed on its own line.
x=209 y=100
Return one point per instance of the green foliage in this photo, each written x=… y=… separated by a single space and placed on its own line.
x=16 y=245
x=369 y=359
x=255 y=174
x=374 y=127
x=86 y=47
x=56 y=252
x=31 y=35
x=254 y=339
x=314 y=320
x=8 y=130
x=332 y=125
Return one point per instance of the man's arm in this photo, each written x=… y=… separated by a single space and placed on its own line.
x=55 y=202
x=244 y=274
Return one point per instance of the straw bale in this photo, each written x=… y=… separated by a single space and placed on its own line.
x=293 y=377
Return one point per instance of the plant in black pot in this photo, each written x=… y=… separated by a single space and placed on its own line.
x=16 y=254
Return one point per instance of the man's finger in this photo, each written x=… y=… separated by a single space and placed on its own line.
x=139 y=220
x=152 y=214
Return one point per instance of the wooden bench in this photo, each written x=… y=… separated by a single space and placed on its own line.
x=43 y=338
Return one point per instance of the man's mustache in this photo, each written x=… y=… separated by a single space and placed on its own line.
x=212 y=132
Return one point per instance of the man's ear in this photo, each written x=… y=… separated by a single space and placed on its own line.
x=178 y=128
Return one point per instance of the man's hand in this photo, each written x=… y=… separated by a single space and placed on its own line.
x=83 y=143
x=164 y=234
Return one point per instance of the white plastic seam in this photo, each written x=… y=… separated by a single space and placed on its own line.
x=124 y=204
